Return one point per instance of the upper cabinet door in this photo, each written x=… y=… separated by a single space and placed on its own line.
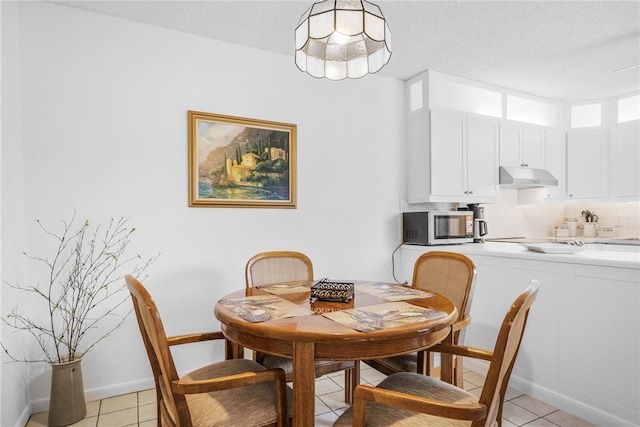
x=482 y=157
x=533 y=147
x=522 y=145
x=464 y=159
x=448 y=152
x=625 y=160
x=554 y=162
x=587 y=164
x=510 y=143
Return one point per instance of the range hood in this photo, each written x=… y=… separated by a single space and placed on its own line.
x=512 y=177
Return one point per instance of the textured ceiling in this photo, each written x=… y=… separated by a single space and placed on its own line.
x=562 y=50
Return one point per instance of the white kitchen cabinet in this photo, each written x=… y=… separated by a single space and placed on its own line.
x=555 y=161
x=625 y=161
x=559 y=357
x=452 y=158
x=522 y=145
x=588 y=164
x=585 y=300
x=482 y=158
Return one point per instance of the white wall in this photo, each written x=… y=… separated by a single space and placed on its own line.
x=13 y=395
x=100 y=110
x=510 y=218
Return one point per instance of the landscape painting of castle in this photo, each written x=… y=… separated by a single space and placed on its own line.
x=235 y=162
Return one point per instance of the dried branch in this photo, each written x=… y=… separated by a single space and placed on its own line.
x=84 y=292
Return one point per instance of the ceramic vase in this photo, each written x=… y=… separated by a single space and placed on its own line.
x=67 y=403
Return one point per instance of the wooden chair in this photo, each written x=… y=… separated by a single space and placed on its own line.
x=412 y=399
x=230 y=392
x=287 y=266
x=453 y=276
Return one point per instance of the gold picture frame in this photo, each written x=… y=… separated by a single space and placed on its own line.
x=241 y=162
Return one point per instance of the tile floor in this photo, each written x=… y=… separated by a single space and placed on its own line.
x=139 y=409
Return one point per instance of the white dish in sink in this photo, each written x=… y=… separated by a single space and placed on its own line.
x=553 y=248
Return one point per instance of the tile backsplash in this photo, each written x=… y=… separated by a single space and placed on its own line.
x=510 y=218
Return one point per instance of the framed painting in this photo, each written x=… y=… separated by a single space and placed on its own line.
x=241 y=162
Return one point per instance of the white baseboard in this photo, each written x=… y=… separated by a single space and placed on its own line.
x=571 y=406
x=23 y=419
x=90 y=395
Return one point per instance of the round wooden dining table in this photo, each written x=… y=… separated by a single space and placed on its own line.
x=310 y=335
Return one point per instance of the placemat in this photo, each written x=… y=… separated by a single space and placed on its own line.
x=392 y=292
x=383 y=316
x=286 y=288
x=260 y=308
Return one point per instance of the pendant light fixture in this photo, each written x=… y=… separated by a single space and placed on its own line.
x=338 y=39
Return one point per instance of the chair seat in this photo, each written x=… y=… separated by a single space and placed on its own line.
x=272 y=362
x=251 y=405
x=417 y=385
x=402 y=363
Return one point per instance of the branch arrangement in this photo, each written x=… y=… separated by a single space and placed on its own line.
x=83 y=292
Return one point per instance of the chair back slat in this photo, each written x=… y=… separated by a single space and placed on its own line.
x=449 y=274
x=278 y=267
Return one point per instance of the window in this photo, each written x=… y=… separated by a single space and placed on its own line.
x=530 y=111
x=629 y=109
x=586 y=115
x=458 y=96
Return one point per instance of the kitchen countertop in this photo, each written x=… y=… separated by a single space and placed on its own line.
x=634 y=241
x=509 y=250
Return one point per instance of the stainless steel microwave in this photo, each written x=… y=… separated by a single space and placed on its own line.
x=437 y=227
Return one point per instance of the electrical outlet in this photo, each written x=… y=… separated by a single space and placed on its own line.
x=619 y=221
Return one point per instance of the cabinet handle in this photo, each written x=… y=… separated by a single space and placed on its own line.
x=524 y=165
x=470 y=192
x=570 y=195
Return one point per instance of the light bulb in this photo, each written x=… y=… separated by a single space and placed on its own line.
x=340 y=38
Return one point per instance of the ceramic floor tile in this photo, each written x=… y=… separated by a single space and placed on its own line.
x=140 y=410
x=93 y=408
x=567 y=420
x=540 y=422
x=147 y=412
x=327 y=385
x=124 y=417
x=325 y=420
x=41 y=420
x=334 y=400
x=340 y=411
x=338 y=376
x=37 y=420
x=86 y=422
x=474 y=378
x=512 y=394
x=320 y=407
x=147 y=396
x=517 y=415
x=536 y=406
x=119 y=403
x=371 y=376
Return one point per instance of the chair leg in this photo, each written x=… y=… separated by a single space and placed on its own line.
x=425 y=362
x=351 y=381
x=233 y=351
x=458 y=372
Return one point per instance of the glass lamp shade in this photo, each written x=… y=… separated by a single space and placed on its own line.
x=338 y=39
